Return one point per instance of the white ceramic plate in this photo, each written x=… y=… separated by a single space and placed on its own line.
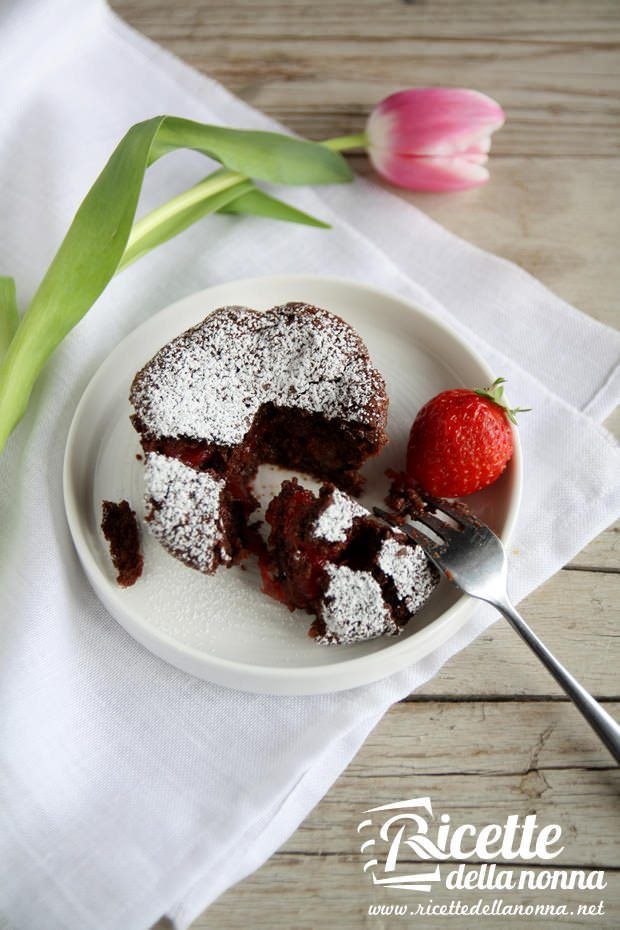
x=222 y=628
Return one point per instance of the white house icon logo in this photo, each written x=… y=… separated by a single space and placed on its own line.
x=402 y=827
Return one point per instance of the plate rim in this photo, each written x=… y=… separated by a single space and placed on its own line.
x=239 y=675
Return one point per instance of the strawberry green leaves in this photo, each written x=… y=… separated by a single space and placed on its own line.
x=496 y=393
x=102 y=238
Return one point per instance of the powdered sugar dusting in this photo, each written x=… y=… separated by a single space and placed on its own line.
x=353 y=608
x=183 y=511
x=410 y=571
x=209 y=382
x=337 y=518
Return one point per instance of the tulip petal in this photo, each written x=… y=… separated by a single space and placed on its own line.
x=430 y=173
x=433 y=121
x=433 y=138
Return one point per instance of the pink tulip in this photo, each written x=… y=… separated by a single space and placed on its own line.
x=433 y=138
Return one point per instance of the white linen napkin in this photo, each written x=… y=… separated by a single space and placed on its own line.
x=130 y=789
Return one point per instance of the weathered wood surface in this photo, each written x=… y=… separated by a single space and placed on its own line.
x=576 y=613
x=602 y=554
x=298 y=892
x=479 y=761
x=491 y=734
x=320 y=67
x=527 y=737
x=557 y=218
x=586 y=802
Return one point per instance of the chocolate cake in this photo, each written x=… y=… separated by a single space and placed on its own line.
x=293 y=386
x=188 y=513
x=407 y=498
x=120 y=528
x=329 y=556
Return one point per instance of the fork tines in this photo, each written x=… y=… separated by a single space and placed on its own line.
x=429 y=516
x=411 y=531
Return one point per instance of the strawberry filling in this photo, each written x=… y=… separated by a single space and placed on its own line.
x=293 y=571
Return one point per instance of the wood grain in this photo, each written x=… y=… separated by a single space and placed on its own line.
x=299 y=892
x=576 y=614
x=320 y=67
x=554 y=217
x=602 y=554
x=478 y=769
x=492 y=739
x=479 y=762
x=491 y=733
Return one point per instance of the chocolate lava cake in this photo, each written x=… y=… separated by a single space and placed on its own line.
x=292 y=386
x=120 y=527
x=329 y=556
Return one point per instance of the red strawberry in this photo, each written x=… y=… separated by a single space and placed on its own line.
x=461 y=441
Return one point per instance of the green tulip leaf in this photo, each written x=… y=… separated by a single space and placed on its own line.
x=268 y=156
x=258 y=203
x=178 y=214
x=94 y=246
x=9 y=317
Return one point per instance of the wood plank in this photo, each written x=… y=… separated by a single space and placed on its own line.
x=479 y=763
x=534 y=212
x=522 y=215
x=319 y=68
x=480 y=737
x=479 y=784
x=594 y=23
x=533 y=758
x=307 y=892
x=575 y=613
x=559 y=117
x=602 y=554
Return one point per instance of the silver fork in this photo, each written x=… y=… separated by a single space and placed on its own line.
x=472 y=557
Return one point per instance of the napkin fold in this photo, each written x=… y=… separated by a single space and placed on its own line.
x=128 y=788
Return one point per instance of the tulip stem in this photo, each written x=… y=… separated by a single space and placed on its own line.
x=344 y=143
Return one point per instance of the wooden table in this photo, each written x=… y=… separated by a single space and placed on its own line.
x=491 y=734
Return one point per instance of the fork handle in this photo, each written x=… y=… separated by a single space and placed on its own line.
x=601 y=722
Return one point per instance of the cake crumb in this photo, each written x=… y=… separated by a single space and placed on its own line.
x=120 y=528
